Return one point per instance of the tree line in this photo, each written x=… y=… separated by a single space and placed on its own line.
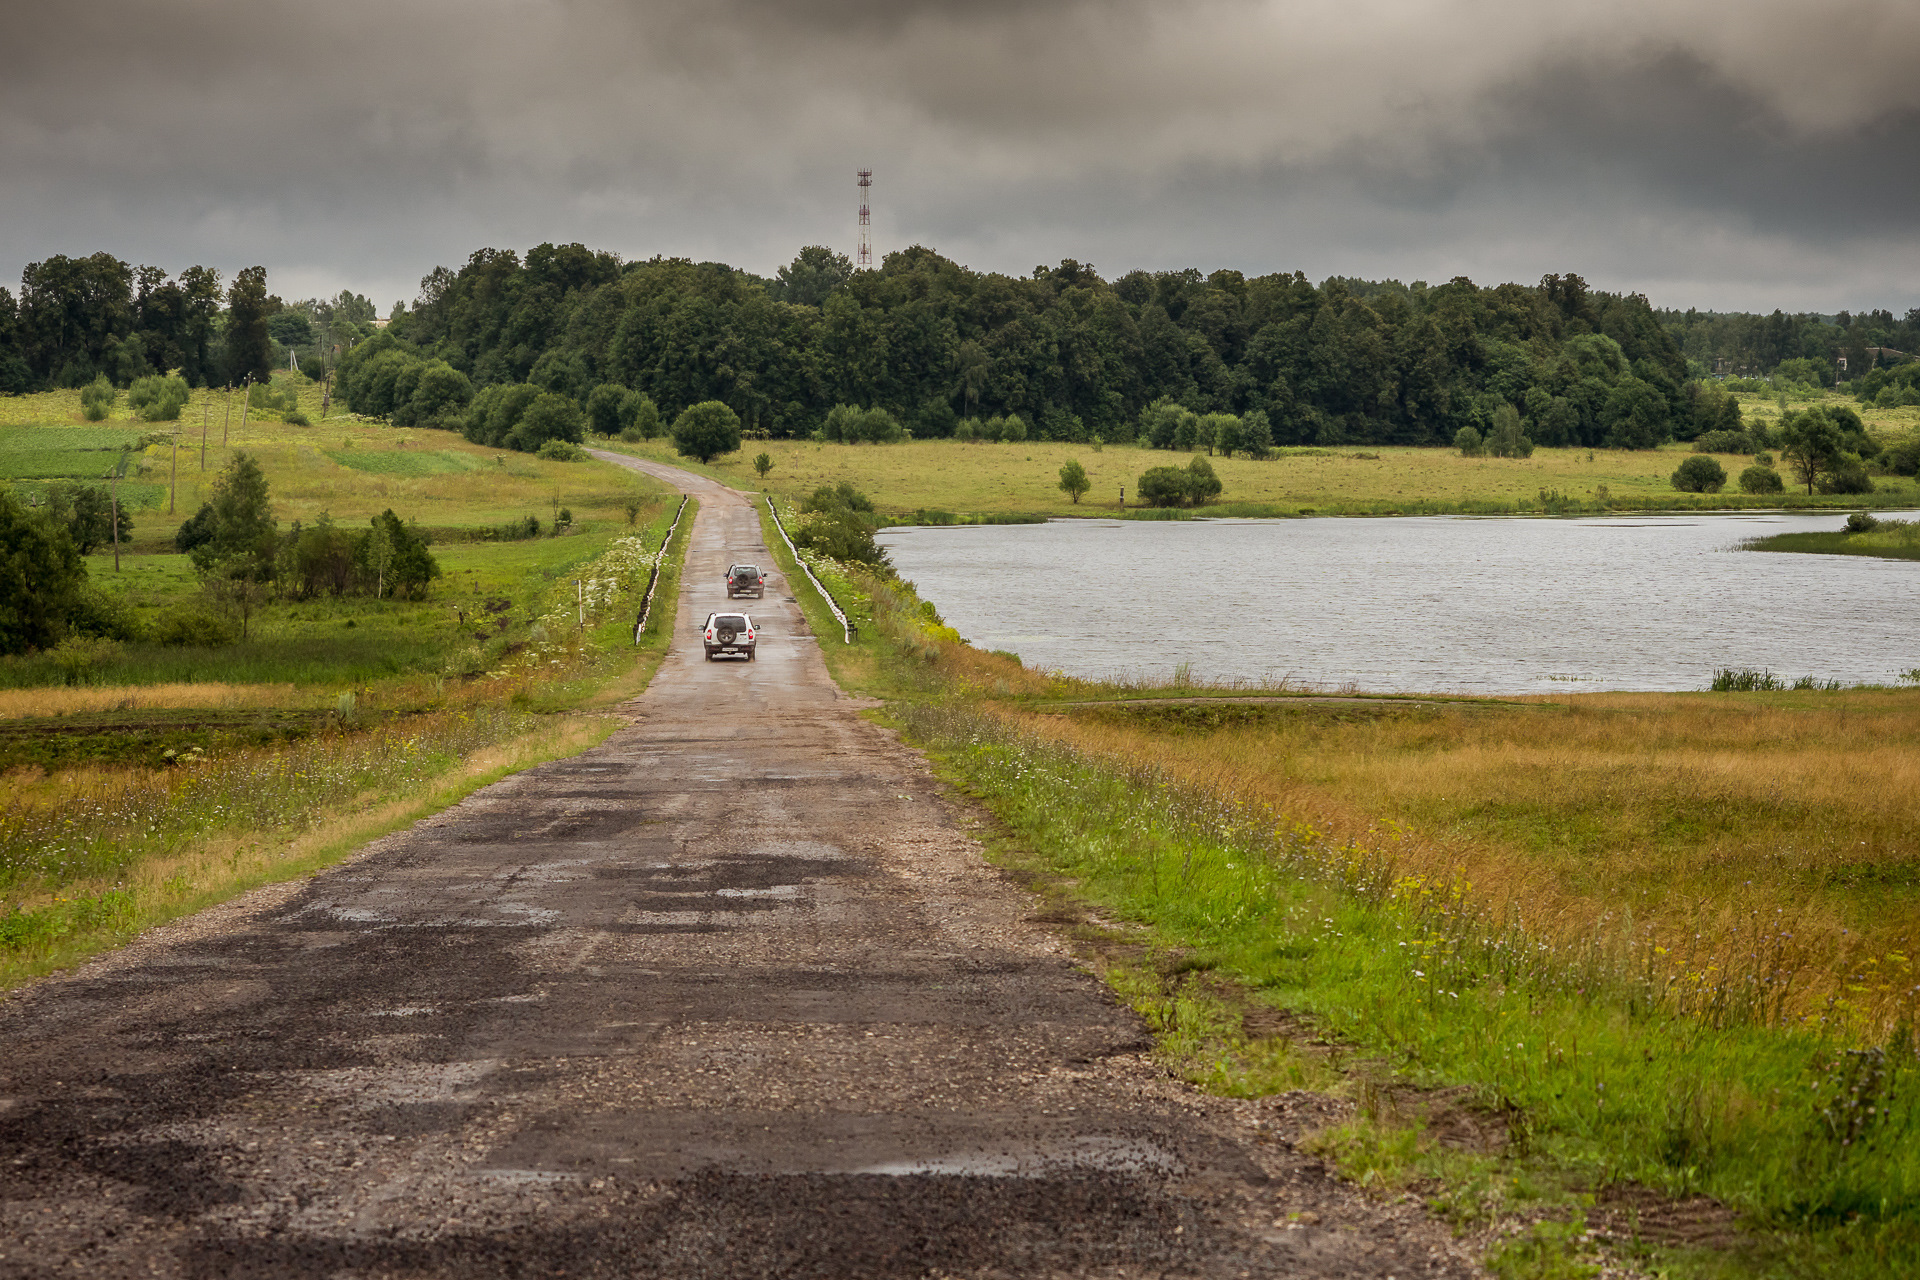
x=81 y=320
x=1065 y=353
x=571 y=339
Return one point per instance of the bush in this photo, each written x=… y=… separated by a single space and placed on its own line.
x=562 y=451
x=189 y=628
x=1163 y=487
x=1724 y=442
x=1760 y=479
x=1202 y=484
x=1862 y=522
x=1699 y=474
x=1467 y=441
x=295 y=418
x=156 y=398
x=96 y=399
x=1848 y=475
x=846 y=424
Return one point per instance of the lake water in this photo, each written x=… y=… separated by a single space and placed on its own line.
x=1421 y=604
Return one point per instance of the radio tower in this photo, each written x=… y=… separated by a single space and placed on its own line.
x=865 y=260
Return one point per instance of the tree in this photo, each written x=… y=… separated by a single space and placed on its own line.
x=1504 y=438
x=243 y=534
x=550 y=416
x=1256 y=434
x=811 y=276
x=762 y=463
x=87 y=512
x=41 y=578
x=1810 y=443
x=639 y=416
x=706 y=430
x=1467 y=441
x=603 y=408
x=1760 y=479
x=439 y=396
x=1073 y=480
x=1699 y=474
x=1635 y=416
x=249 y=344
x=1221 y=431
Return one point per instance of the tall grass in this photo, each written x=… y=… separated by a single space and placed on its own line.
x=1611 y=1064
x=1766 y=845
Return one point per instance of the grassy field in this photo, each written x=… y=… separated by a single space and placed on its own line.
x=144 y=779
x=999 y=479
x=343 y=466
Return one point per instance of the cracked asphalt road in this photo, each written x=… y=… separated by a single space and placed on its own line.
x=732 y=994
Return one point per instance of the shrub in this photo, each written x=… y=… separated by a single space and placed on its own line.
x=1467 y=441
x=1847 y=475
x=156 y=398
x=847 y=424
x=1202 y=484
x=295 y=418
x=1724 y=442
x=1162 y=487
x=1761 y=479
x=1699 y=474
x=96 y=399
x=1862 y=522
x=195 y=629
x=557 y=450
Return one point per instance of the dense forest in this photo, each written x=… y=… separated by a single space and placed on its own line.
x=578 y=337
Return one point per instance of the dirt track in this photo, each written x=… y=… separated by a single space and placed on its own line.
x=731 y=995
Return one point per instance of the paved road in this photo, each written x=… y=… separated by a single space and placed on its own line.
x=732 y=994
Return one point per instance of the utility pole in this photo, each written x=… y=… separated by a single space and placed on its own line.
x=113 y=505
x=223 y=429
x=173 y=468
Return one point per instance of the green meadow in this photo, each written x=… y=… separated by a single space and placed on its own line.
x=145 y=779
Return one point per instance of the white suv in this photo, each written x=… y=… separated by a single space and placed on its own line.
x=728 y=633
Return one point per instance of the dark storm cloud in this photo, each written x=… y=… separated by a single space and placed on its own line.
x=1711 y=152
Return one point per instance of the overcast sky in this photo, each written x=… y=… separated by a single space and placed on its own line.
x=1729 y=154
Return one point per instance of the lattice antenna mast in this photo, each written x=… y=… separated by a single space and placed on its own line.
x=865 y=260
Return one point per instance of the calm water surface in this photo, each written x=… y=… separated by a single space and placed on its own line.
x=1443 y=603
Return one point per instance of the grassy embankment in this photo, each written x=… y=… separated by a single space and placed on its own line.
x=1892 y=540
x=144 y=781
x=918 y=481
x=1634 y=963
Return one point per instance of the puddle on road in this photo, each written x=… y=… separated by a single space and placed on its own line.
x=1099 y=1155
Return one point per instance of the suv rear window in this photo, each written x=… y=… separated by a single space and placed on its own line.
x=728 y=621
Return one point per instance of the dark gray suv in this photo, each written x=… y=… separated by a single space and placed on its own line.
x=745 y=579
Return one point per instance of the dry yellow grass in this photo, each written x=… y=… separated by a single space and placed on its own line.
x=1725 y=825
x=18 y=704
